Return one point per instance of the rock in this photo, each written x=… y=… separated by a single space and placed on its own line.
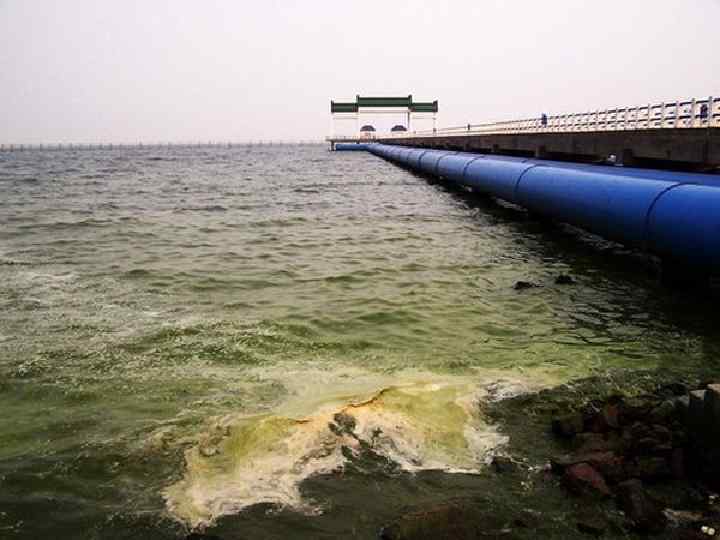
x=663 y=412
x=682 y=405
x=593 y=442
x=683 y=517
x=583 y=477
x=591 y=524
x=690 y=534
x=633 y=411
x=529 y=519
x=344 y=424
x=677 y=464
x=696 y=411
x=209 y=450
x=567 y=426
x=674 y=389
x=611 y=466
x=459 y=519
x=712 y=408
x=564 y=279
x=503 y=465
x=635 y=433
x=603 y=419
x=522 y=285
x=559 y=464
x=610 y=414
x=643 y=512
x=649 y=468
x=679 y=438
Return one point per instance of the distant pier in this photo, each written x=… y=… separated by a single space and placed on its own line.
x=148 y=146
x=682 y=134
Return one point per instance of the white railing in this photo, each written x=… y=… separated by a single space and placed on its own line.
x=351 y=138
x=693 y=113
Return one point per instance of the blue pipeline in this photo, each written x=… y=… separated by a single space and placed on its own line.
x=345 y=147
x=671 y=214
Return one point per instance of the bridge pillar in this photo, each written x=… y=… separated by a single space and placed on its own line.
x=627 y=158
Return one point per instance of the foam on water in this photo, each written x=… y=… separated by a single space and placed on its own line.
x=423 y=422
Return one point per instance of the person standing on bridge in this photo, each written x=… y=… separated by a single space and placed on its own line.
x=703 y=111
x=543 y=120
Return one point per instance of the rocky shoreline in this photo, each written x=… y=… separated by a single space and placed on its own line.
x=630 y=460
x=626 y=454
x=624 y=448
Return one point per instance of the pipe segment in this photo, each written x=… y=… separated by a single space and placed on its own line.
x=685 y=225
x=611 y=206
x=672 y=214
x=350 y=147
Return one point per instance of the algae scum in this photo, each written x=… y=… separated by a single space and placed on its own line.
x=208 y=338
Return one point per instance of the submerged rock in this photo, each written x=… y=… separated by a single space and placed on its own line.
x=503 y=465
x=591 y=524
x=456 y=520
x=522 y=285
x=344 y=424
x=564 y=279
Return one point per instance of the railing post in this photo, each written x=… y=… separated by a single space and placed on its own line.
x=711 y=110
x=693 y=108
x=663 y=109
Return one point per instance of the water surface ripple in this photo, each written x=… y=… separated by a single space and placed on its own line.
x=178 y=327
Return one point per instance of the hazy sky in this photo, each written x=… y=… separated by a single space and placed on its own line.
x=161 y=70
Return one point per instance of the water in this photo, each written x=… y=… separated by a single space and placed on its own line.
x=186 y=333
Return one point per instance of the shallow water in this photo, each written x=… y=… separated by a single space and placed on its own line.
x=180 y=327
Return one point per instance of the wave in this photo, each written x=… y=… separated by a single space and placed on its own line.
x=207 y=208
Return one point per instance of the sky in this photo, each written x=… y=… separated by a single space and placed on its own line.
x=240 y=70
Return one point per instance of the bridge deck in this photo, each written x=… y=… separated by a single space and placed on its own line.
x=691 y=149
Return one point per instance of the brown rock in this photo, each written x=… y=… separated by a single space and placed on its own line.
x=643 y=512
x=591 y=442
x=560 y=463
x=611 y=415
x=583 y=477
x=567 y=426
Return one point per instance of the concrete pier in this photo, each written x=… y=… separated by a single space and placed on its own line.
x=696 y=149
